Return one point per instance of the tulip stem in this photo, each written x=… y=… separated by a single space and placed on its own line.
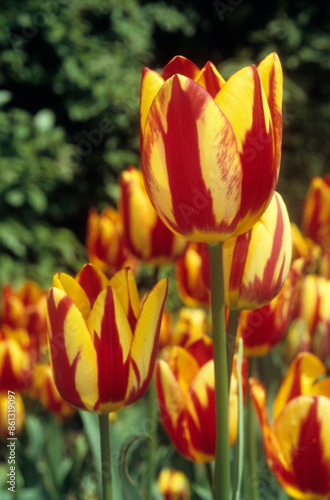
x=231 y=337
x=221 y=481
x=105 y=457
x=252 y=443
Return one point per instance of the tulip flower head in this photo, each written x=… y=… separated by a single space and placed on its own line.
x=145 y=234
x=316 y=211
x=210 y=149
x=185 y=390
x=102 y=341
x=263 y=328
x=189 y=277
x=105 y=241
x=297 y=441
x=173 y=485
x=257 y=262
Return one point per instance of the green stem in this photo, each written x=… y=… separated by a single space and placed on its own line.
x=231 y=336
x=105 y=456
x=152 y=409
x=252 y=443
x=222 y=450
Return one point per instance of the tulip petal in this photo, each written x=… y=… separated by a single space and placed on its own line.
x=69 y=285
x=145 y=341
x=243 y=102
x=112 y=338
x=170 y=401
x=271 y=74
x=210 y=79
x=123 y=282
x=301 y=379
x=182 y=66
x=187 y=140
x=303 y=430
x=150 y=85
x=256 y=263
x=92 y=280
x=201 y=413
x=72 y=352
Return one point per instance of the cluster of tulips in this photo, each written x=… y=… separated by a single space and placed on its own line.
x=204 y=201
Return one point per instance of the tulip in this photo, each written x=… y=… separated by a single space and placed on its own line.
x=257 y=262
x=263 y=328
x=146 y=235
x=44 y=389
x=316 y=211
x=189 y=277
x=185 y=390
x=105 y=242
x=311 y=318
x=191 y=325
x=296 y=442
x=5 y=411
x=26 y=309
x=173 y=485
x=15 y=362
x=302 y=246
x=103 y=343
x=210 y=149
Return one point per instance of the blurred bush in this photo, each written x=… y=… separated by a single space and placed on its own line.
x=69 y=105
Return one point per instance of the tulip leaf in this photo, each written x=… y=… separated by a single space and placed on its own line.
x=130 y=490
x=238 y=464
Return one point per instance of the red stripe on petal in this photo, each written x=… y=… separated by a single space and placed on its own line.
x=64 y=372
x=185 y=177
x=311 y=467
x=240 y=252
x=112 y=370
x=182 y=66
x=202 y=435
x=257 y=157
x=90 y=280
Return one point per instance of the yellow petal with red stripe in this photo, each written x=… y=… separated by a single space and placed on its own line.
x=210 y=79
x=303 y=430
x=72 y=352
x=201 y=413
x=243 y=102
x=190 y=162
x=304 y=377
x=150 y=85
x=145 y=341
x=71 y=287
x=112 y=338
x=257 y=263
x=271 y=74
x=123 y=282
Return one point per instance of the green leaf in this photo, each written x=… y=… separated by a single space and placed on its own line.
x=130 y=490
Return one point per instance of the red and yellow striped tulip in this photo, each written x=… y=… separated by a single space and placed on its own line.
x=297 y=441
x=185 y=390
x=191 y=325
x=103 y=343
x=256 y=263
x=173 y=485
x=311 y=318
x=105 y=241
x=19 y=413
x=26 y=308
x=189 y=277
x=146 y=235
x=210 y=149
x=263 y=328
x=316 y=211
x=15 y=360
x=304 y=247
x=43 y=388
